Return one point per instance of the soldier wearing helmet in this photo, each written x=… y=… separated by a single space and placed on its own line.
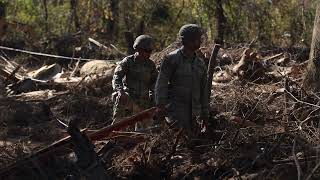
x=181 y=88
x=133 y=81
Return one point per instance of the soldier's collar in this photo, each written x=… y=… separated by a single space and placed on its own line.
x=184 y=55
x=135 y=60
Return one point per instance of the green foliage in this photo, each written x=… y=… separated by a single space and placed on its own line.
x=273 y=22
x=24 y=11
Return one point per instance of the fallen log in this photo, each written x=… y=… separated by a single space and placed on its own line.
x=12 y=75
x=66 y=142
x=8 y=75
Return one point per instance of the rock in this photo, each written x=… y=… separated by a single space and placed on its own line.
x=97 y=67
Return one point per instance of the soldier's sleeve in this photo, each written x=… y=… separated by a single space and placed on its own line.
x=154 y=75
x=161 y=87
x=118 y=75
x=204 y=98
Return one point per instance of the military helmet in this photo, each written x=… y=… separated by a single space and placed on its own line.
x=188 y=31
x=145 y=42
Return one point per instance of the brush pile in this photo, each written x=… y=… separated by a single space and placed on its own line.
x=262 y=126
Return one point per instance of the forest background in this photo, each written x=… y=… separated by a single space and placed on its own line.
x=273 y=23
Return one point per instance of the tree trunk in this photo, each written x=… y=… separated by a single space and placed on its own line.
x=3 y=23
x=220 y=22
x=89 y=11
x=45 y=7
x=74 y=16
x=112 y=21
x=141 y=26
x=127 y=15
x=312 y=75
x=130 y=40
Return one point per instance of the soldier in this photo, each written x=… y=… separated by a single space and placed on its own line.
x=133 y=81
x=181 y=88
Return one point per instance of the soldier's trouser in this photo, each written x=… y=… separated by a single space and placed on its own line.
x=183 y=117
x=129 y=108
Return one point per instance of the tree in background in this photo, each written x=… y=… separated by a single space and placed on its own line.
x=2 y=19
x=220 y=22
x=273 y=23
x=312 y=76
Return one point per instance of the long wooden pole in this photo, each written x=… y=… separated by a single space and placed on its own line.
x=211 y=66
x=65 y=142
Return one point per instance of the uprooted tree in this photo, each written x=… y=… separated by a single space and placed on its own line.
x=312 y=75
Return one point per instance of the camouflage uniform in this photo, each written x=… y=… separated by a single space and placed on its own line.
x=137 y=78
x=182 y=83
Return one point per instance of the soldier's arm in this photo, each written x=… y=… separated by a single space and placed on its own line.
x=204 y=98
x=154 y=75
x=161 y=87
x=118 y=75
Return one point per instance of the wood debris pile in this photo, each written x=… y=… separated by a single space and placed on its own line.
x=262 y=126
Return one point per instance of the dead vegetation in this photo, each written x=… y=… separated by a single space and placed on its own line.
x=262 y=126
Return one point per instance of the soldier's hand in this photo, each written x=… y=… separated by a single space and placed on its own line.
x=123 y=97
x=202 y=124
x=161 y=112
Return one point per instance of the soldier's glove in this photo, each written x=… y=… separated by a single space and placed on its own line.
x=202 y=123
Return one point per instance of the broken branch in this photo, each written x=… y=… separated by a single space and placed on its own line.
x=100 y=134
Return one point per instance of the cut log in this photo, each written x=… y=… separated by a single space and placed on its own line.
x=47 y=72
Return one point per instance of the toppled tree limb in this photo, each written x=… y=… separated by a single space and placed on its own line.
x=44 y=54
x=285 y=161
x=65 y=142
x=302 y=102
x=296 y=161
x=87 y=159
x=313 y=171
x=4 y=73
x=273 y=57
x=100 y=45
x=12 y=75
x=7 y=61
